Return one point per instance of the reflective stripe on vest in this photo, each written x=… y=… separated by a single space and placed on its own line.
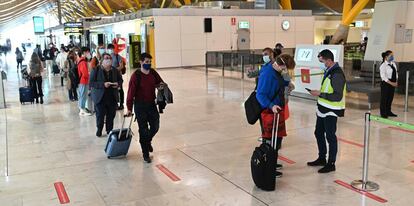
x=327 y=88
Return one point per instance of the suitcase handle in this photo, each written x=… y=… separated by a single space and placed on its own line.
x=130 y=123
x=275 y=129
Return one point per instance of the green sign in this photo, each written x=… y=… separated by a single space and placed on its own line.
x=38 y=25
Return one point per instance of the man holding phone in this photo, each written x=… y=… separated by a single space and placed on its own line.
x=331 y=105
x=104 y=82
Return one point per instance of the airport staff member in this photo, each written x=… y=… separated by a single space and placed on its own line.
x=389 y=76
x=331 y=105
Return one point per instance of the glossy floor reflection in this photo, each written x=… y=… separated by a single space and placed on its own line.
x=204 y=140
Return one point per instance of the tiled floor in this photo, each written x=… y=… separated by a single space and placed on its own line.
x=204 y=140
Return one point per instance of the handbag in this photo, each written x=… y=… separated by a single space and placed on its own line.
x=252 y=107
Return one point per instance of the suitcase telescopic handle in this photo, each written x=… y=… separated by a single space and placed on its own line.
x=130 y=123
x=275 y=129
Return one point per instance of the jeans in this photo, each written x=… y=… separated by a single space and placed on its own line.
x=325 y=131
x=148 y=123
x=105 y=109
x=36 y=84
x=83 y=95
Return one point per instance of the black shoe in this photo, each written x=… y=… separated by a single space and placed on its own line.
x=279 y=174
x=147 y=159
x=330 y=167
x=150 y=149
x=99 y=133
x=41 y=100
x=121 y=107
x=37 y=101
x=392 y=115
x=279 y=166
x=318 y=162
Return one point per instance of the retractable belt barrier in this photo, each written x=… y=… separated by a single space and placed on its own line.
x=364 y=184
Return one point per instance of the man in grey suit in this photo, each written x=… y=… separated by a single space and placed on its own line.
x=104 y=82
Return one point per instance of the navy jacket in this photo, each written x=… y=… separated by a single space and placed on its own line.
x=96 y=83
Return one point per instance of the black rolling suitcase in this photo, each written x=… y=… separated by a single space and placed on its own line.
x=263 y=161
x=55 y=69
x=26 y=93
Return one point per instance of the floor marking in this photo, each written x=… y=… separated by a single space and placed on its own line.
x=167 y=172
x=402 y=130
x=280 y=157
x=367 y=194
x=351 y=142
x=61 y=193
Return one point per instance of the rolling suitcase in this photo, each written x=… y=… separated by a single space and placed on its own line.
x=119 y=140
x=55 y=69
x=263 y=161
x=26 y=94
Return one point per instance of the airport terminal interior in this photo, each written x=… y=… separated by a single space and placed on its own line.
x=181 y=80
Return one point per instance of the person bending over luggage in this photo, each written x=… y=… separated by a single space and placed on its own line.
x=270 y=94
x=104 y=82
x=141 y=94
x=35 y=74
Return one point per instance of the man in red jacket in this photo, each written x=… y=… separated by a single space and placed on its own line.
x=84 y=56
x=141 y=94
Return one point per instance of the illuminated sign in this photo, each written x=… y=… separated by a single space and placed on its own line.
x=73 y=28
x=38 y=25
x=244 y=25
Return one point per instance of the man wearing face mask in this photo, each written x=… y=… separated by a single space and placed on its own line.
x=331 y=105
x=141 y=95
x=104 y=82
x=83 y=71
x=118 y=63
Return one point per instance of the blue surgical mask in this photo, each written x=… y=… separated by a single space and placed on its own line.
x=391 y=58
x=146 y=66
x=266 y=59
x=101 y=51
x=322 y=66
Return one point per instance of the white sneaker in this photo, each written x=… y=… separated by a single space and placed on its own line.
x=81 y=113
x=86 y=113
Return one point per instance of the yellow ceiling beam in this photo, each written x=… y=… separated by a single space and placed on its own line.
x=107 y=7
x=162 y=4
x=129 y=5
x=346 y=8
x=187 y=2
x=355 y=11
x=177 y=3
x=286 y=4
x=139 y=6
x=86 y=7
x=101 y=7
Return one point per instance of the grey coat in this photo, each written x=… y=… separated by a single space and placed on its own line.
x=96 y=84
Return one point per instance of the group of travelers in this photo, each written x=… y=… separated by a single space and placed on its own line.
x=274 y=85
x=98 y=80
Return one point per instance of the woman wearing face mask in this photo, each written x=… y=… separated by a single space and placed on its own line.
x=104 y=82
x=389 y=76
x=270 y=95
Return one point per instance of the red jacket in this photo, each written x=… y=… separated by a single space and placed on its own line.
x=83 y=71
x=145 y=90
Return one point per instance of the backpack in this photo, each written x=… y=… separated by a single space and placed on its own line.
x=74 y=73
x=138 y=74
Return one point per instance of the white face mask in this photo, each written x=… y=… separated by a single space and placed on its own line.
x=110 y=51
x=266 y=59
x=107 y=63
x=88 y=56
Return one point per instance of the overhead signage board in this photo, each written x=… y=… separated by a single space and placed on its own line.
x=73 y=28
x=38 y=25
